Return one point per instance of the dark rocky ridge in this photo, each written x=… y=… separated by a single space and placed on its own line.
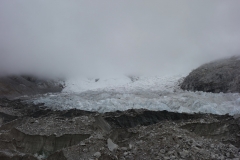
x=218 y=76
x=133 y=118
x=14 y=86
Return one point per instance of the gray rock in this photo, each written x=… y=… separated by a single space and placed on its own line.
x=125 y=153
x=82 y=144
x=85 y=150
x=124 y=148
x=228 y=155
x=213 y=156
x=170 y=152
x=130 y=146
x=184 y=153
x=199 y=145
x=97 y=154
x=162 y=151
x=111 y=146
x=212 y=145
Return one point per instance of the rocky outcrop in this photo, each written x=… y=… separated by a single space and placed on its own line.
x=218 y=76
x=14 y=86
x=40 y=144
x=145 y=118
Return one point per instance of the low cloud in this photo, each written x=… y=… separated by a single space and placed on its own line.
x=92 y=38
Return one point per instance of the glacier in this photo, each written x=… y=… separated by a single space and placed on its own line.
x=108 y=94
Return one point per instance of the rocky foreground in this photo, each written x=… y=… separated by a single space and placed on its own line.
x=30 y=132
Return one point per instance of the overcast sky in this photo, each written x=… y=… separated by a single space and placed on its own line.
x=83 y=37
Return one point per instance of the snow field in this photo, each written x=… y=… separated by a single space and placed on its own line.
x=152 y=93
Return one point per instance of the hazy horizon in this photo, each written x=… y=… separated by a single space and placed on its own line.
x=92 y=38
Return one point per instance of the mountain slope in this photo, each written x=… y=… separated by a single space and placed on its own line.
x=13 y=86
x=218 y=76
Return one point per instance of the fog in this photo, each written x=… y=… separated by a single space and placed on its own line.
x=93 y=38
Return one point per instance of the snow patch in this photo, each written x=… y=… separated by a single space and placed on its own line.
x=84 y=84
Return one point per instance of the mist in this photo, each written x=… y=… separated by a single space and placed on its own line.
x=93 y=38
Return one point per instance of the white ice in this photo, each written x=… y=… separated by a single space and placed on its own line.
x=152 y=93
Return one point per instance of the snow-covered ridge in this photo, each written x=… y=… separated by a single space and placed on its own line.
x=121 y=83
x=83 y=84
x=153 y=93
